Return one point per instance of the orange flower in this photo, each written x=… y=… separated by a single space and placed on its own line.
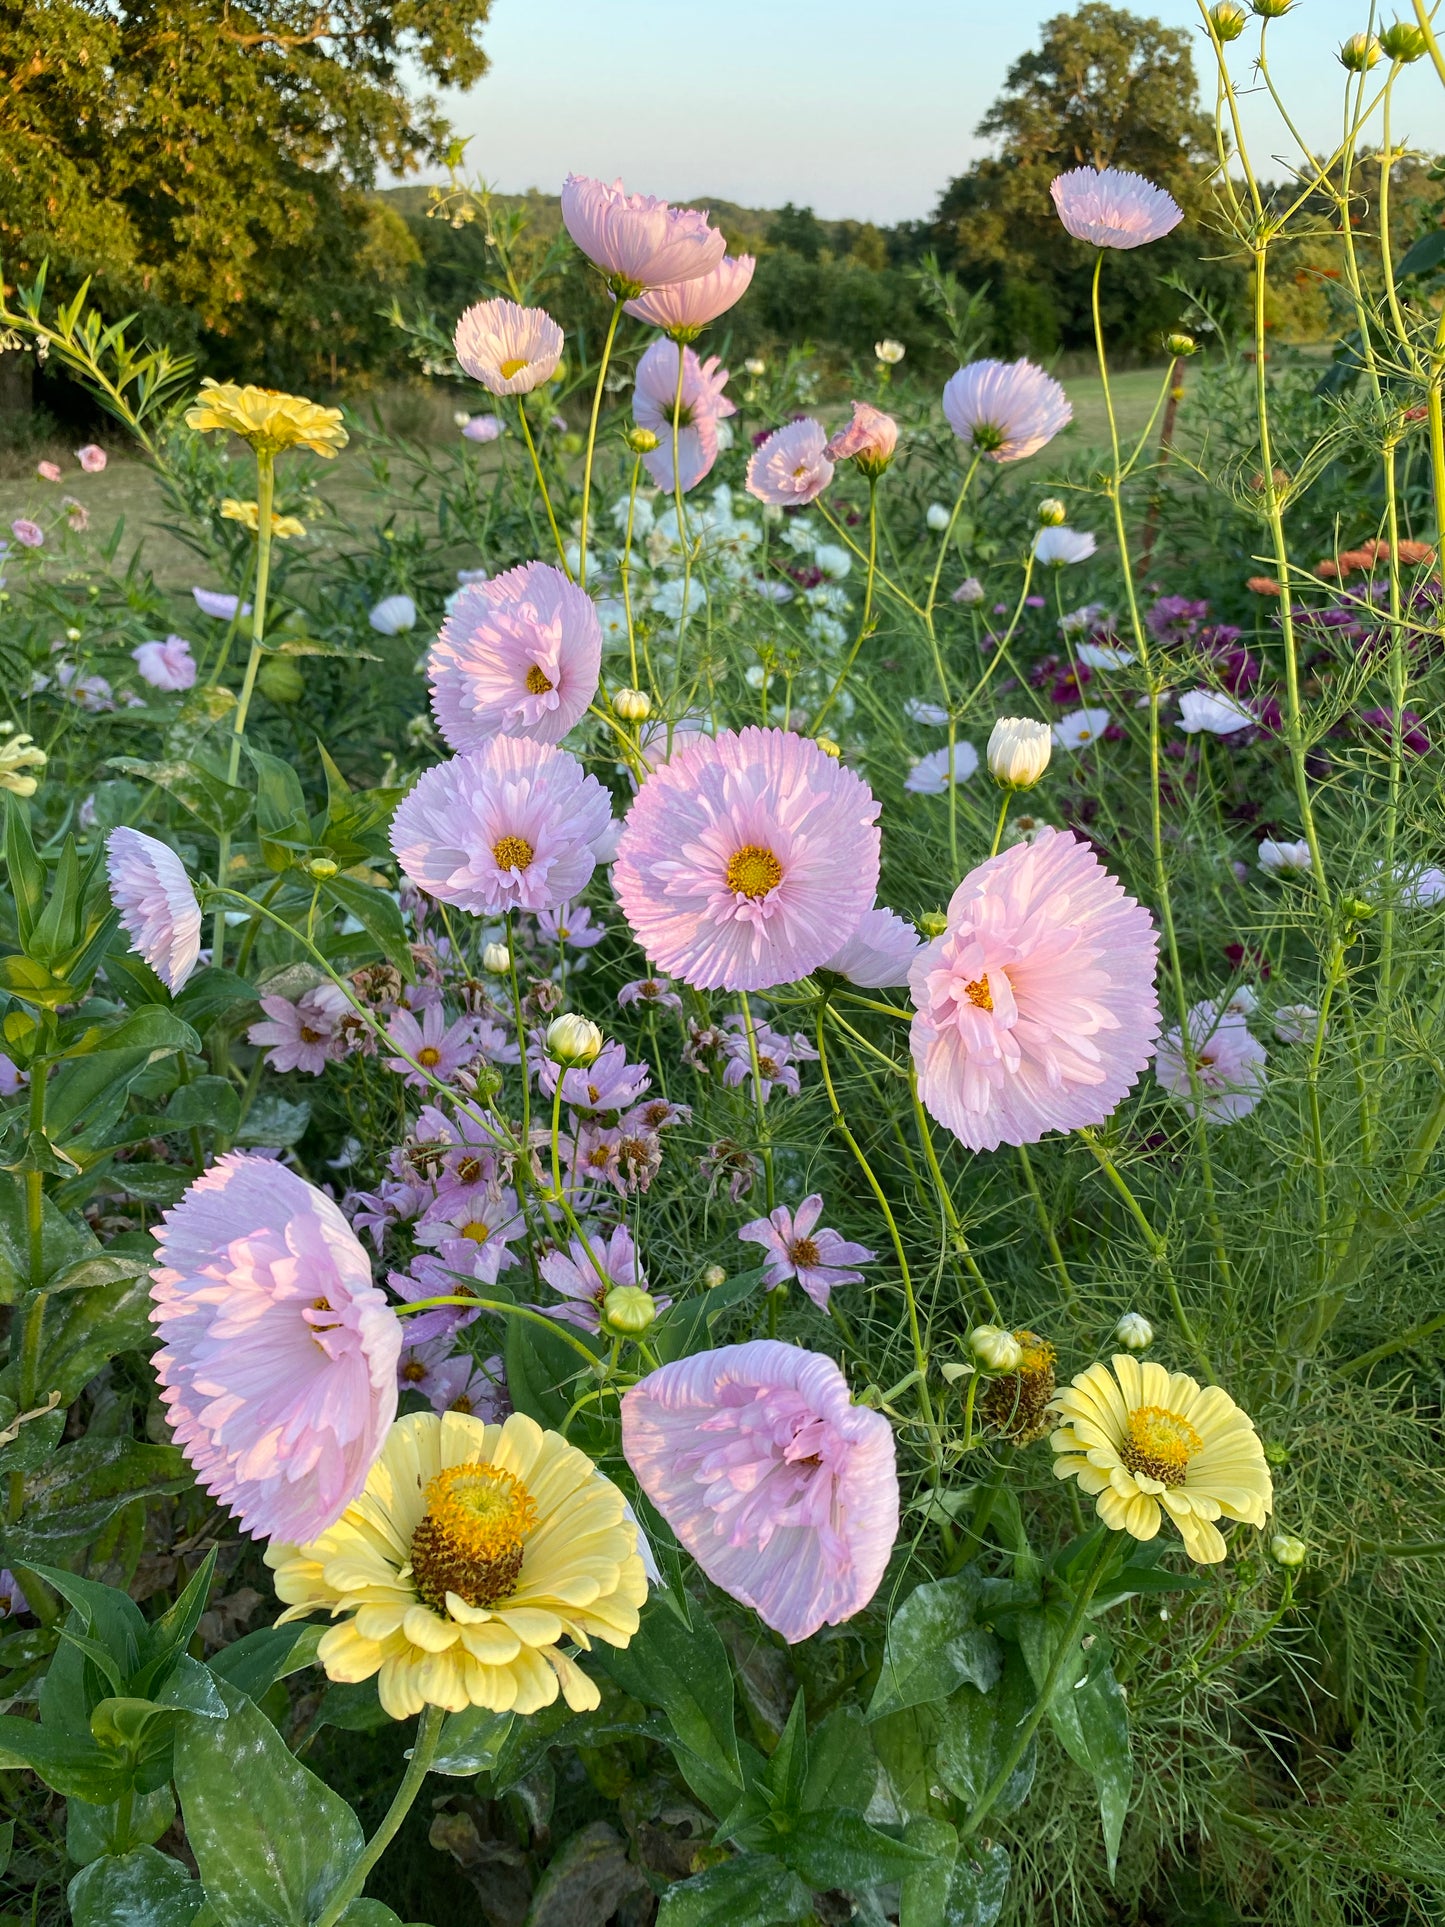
x=1411 y=553
x=1262 y=585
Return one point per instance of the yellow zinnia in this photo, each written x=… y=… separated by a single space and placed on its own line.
x=267 y=419
x=248 y=514
x=472 y=1553
x=1143 y=1439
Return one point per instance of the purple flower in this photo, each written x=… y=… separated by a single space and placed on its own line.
x=650 y=993
x=217 y=604
x=12 y=1598
x=1413 y=736
x=608 y=1083
x=28 y=534
x=571 y=924
x=819 y=1260
x=158 y=907
x=432 y=1044
x=166 y=665
x=483 y=428
x=777 y=1055
x=585 y=1281
x=1175 y=617
x=305 y=1035
x=472 y=1228
x=652 y=1115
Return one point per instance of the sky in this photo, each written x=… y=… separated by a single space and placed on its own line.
x=857 y=108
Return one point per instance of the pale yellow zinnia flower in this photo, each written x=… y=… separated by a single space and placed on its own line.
x=267 y=419
x=18 y=754
x=1143 y=1439
x=472 y=1553
x=248 y=514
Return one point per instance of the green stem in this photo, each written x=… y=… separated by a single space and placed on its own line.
x=1158 y=1250
x=765 y=1144
x=265 y=497
x=542 y=484
x=423 y=1752
x=864 y=624
x=592 y=441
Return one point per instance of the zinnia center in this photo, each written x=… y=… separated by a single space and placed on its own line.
x=979 y=994
x=538 y=681
x=753 y=871
x=1160 y=1444
x=472 y=1536
x=512 y=366
x=512 y=853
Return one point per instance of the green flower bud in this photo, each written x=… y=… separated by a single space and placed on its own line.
x=1359 y=53
x=996 y=1350
x=279 y=679
x=1052 y=513
x=714 y=1276
x=1228 y=20
x=641 y=441
x=933 y=923
x=1286 y=1550
x=321 y=867
x=1403 y=42
x=1181 y=345
x=629 y=1309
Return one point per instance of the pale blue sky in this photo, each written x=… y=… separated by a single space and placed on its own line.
x=857 y=107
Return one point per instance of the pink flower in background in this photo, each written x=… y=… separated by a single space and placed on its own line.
x=510 y=826
x=305 y=1035
x=28 y=534
x=453 y=1381
x=509 y=350
x=48 y=471
x=570 y=924
x=219 y=606
x=683 y=309
x=278 y=1359
x=584 y=1284
x=77 y=515
x=879 y=953
x=483 y=428
x=435 y=1045
x=783 y=1490
x=795 y=1248
x=158 y=907
x=791 y=468
x=746 y=859
x=166 y=665
x=472 y=1231
x=608 y=1083
x=637 y=241
x=12 y=1597
x=704 y=405
x=1112 y=208
x=12 y=1078
x=869 y=439
x=1005 y=409
x=649 y=993
x=778 y=1057
x=1228 y=1063
x=91 y=458
x=1036 y=1008
x=519 y=655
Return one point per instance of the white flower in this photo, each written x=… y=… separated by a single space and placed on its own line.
x=929 y=775
x=827 y=629
x=1053 y=547
x=1080 y=727
x=724 y=433
x=612 y=615
x=1202 y=709
x=1103 y=655
x=938 y=517
x=1018 y=751
x=643 y=516
x=1077 y=622
x=755 y=365
x=1134 y=1332
x=1242 y=1002
x=802 y=535
x=919 y=711
x=393 y=614
x=1284 y=859
x=1419 y=889
x=1296 y=1023
x=969 y=591
x=1228 y=1064
x=890 y=353
x=833 y=560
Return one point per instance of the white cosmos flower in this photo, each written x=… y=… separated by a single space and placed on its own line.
x=1054 y=547
x=1080 y=727
x=1284 y=859
x=1295 y=1023
x=1202 y=709
x=1104 y=655
x=929 y=775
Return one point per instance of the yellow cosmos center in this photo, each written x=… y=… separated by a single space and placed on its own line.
x=753 y=871
x=472 y=1535
x=428 y=1055
x=979 y=994
x=476 y=1231
x=538 y=681
x=1160 y=1444
x=512 y=853
x=514 y=366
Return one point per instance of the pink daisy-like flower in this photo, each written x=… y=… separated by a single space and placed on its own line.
x=746 y=859
x=91 y=458
x=166 y=665
x=795 y=1248
x=880 y=952
x=783 y=1490
x=570 y=924
x=435 y=1045
x=509 y=350
x=583 y=1283
x=517 y=656
x=649 y=993
x=483 y=428
x=1112 y=208
x=28 y=534
x=1005 y=409
x=278 y=1359
x=220 y=606
x=778 y=1058
x=48 y=471
x=683 y=309
x=472 y=1232
x=1228 y=1063
x=637 y=241
x=511 y=826
x=704 y=405
x=158 y=907
x=1036 y=1008
x=304 y=1036
x=791 y=468
x=608 y=1083
x=870 y=439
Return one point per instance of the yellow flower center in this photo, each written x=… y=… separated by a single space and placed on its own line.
x=804 y=1253
x=512 y=853
x=413 y=1371
x=979 y=994
x=476 y=1231
x=428 y=1055
x=513 y=366
x=472 y=1535
x=310 y=1036
x=538 y=681
x=1160 y=1444
x=752 y=872
x=469 y=1170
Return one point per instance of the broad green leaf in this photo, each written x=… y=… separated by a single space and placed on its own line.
x=470 y=1741
x=211 y=1102
x=252 y=1665
x=274 y=1121
x=281 y=818
x=687 y=1675
x=91 y=1830
x=378 y=916
x=975 y=1732
x=167 y=1638
x=934 y=1644
x=141 y=1889
x=1087 y=1712
x=219 y=805
x=370 y=1913
x=754 y=1890
x=63 y=1241
x=923 y=1894
x=842 y=1766
x=787 y=1771
x=905 y=1743
x=211 y=991
x=85 y=1327
x=24 y=867
x=80 y=1490
x=1426 y=253
x=74 y=1768
x=840 y=1849
x=980 y=1881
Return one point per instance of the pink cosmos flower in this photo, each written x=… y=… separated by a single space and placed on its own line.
x=649 y=993
x=509 y=350
x=48 y=471
x=778 y=1058
x=519 y=656
x=306 y=1035
x=158 y=907
x=278 y=1360
x=511 y=825
x=1112 y=208
x=219 y=606
x=683 y=309
x=77 y=515
x=483 y=428
x=746 y=859
x=1035 y=1009
x=91 y=458
x=791 y=468
x=783 y=1490
x=1228 y=1064
x=166 y=665
x=1005 y=409
x=608 y=1083
x=28 y=534
x=570 y=924
x=880 y=952
x=438 y=1047
x=704 y=405
x=637 y=241
x=869 y=439
x=472 y=1231
x=583 y=1283
x=819 y=1260
x=453 y=1381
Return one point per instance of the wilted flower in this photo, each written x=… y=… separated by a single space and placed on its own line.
x=166 y=665
x=1015 y=1402
x=158 y=907
x=267 y=419
x=1055 y=547
x=1018 y=751
x=1005 y=409
x=510 y=350
x=682 y=309
x=393 y=615
x=969 y=591
x=19 y=754
x=638 y=242
x=1112 y=208
x=519 y=656
x=791 y=468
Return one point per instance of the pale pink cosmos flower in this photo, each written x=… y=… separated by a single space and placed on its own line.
x=1227 y=1059
x=1112 y=208
x=48 y=471
x=278 y=1359
x=77 y=515
x=870 y=439
x=638 y=242
x=517 y=656
x=28 y=534
x=746 y=859
x=305 y=1035
x=510 y=350
x=704 y=405
x=513 y=825
x=483 y=428
x=791 y=468
x=794 y=1247
x=435 y=1045
x=584 y=1280
x=158 y=907
x=220 y=606
x=783 y=1490
x=1005 y=409
x=91 y=458
x=1036 y=1008
x=472 y=1229
x=649 y=993
x=166 y=665
x=880 y=952
x=683 y=309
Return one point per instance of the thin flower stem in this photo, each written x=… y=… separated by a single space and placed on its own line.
x=945 y=1197
x=542 y=484
x=265 y=497
x=502 y=1309
x=1047 y=1227
x=1158 y=1250
x=592 y=441
x=1003 y=810
x=843 y=536
x=947 y=538
x=423 y=1752
x=765 y=1144
x=624 y=568
x=866 y=620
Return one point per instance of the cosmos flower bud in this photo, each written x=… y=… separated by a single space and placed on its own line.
x=1052 y=513
x=572 y=1039
x=1018 y=751
x=933 y=923
x=1271 y=9
x=937 y=517
x=321 y=867
x=496 y=958
x=1286 y=1550
x=995 y=1349
x=890 y=353
x=629 y=1309
x=1134 y=1332
x=1359 y=53
x=1403 y=42
x=969 y=591
x=642 y=441
x=632 y=705
x=1228 y=20
x=714 y=1276
x=1181 y=345
x=755 y=366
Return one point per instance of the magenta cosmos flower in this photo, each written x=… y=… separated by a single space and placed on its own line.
x=1035 y=1009
x=166 y=665
x=278 y=1359
x=703 y=405
x=783 y=1490
x=746 y=859
x=637 y=241
x=1005 y=409
x=518 y=656
x=791 y=468
x=1112 y=208
x=509 y=350
x=793 y=1247
x=684 y=308
x=869 y=439
x=513 y=825
x=158 y=907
